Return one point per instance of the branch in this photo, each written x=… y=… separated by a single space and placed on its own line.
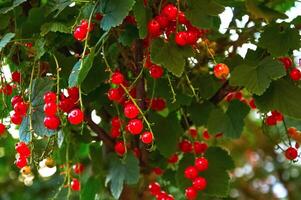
x=222 y=92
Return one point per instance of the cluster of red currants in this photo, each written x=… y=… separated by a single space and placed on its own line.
x=51 y=120
x=295 y=73
x=275 y=117
x=78 y=168
x=155 y=71
x=155 y=190
x=23 y=153
x=20 y=109
x=6 y=88
x=239 y=96
x=167 y=21
x=81 y=31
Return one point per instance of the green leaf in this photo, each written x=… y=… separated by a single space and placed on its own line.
x=142 y=16
x=202 y=13
x=54 y=27
x=40 y=48
x=168 y=131
x=170 y=56
x=81 y=70
x=283 y=96
x=114 y=11
x=15 y=4
x=230 y=123
x=127 y=37
x=122 y=171
x=199 y=113
x=207 y=85
x=57 y=5
x=275 y=34
x=6 y=39
x=91 y=188
x=256 y=75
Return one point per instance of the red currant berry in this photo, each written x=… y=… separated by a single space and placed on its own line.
x=147 y=137
x=115 y=94
x=158 y=171
x=199 y=183
x=16 y=118
x=191 y=193
x=278 y=116
x=221 y=71
x=131 y=111
x=162 y=20
x=154 y=28
x=120 y=148
x=156 y=71
x=117 y=78
x=76 y=116
x=115 y=132
x=181 y=38
x=73 y=93
x=50 y=109
x=192 y=37
x=28 y=44
x=135 y=126
x=16 y=77
x=52 y=122
x=206 y=135
x=286 y=61
x=185 y=146
x=201 y=164
x=199 y=147
x=154 y=188
x=22 y=149
x=98 y=16
x=7 y=90
x=80 y=34
x=182 y=18
x=295 y=74
x=49 y=97
x=75 y=184
x=84 y=24
x=20 y=108
x=252 y=104
x=193 y=132
x=116 y=122
x=291 y=153
x=170 y=11
x=78 y=168
x=16 y=99
x=191 y=172
x=21 y=162
x=2 y=129
x=173 y=159
x=271 y=120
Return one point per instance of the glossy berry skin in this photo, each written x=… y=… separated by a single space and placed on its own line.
x=162 y=20
x=116 y=122
x=154 y=188
x=154 y=28
x=173 y=159
x=170 y=11
x=277 y=115
x=191 y=37
x=115 y=132
x=287 y=62
x=20 y=108
x=182 y=18
x=199 y=183
x=52 y=122
x=16 y=99
x=199 y=147
x=291 y=153
x=135 y=126
x=2 y=129
x=7 y=89
x=191 y=193
x=16 y=77
x=50 y=109
x=193 y=132
x=49 y=97
x=206 y=135
x=22 y=149
x=21 y=162
x=181 y=38
x=80 y=33
x=75 y=184
x=191 y=172
x=117 y=78
x=221 y=71
x=271 y=120
x=130 y=110
x=114 y=94
x=120 y=148
x=185 y=146
x=16 y=119
x=201 y=164
x=295 y=74
x=78 y=168
x=156 y=71
x=147 y=137
x=76 y=116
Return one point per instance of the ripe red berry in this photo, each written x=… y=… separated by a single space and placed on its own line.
x=78 y=168
x=173 y=158
x=49 y=97
x=16 y=118
x=181 y=38
x=191 y=172
x=80 y=33
x=20 y=108
x=154 y=188
x=206 y=135
x=182 y=18
x=286 y=61
x=271 y=120
x=158 y=171
x=73 y=93
x=75 y=184
x=185 y=146
x=131 y=111
x=115 y=94
x=170 y=11
x=2 y=129
x=135 y=126
x=221 y=71
x=116 y=122
x=52 y=122
x=162 y=20
x=192 y=37
x=16 y=77
x=154 y=28
x=98 y=16
x=291 y=153
x=115 y=132
x=50 y=109
x=295 y=74
x=147 y=137
x=199 y=147
x=191 y=193
x=7 y=89
x=76 y=116
x=277 y=115
x=84 y=24
x=156 y=71
x=16 y=99
x=120 y=148
x=117 y=78
x=22 y=149
x=193 y=132
x=199 y=183
x=21 y=162
x=201 y=164
x=252 y=104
